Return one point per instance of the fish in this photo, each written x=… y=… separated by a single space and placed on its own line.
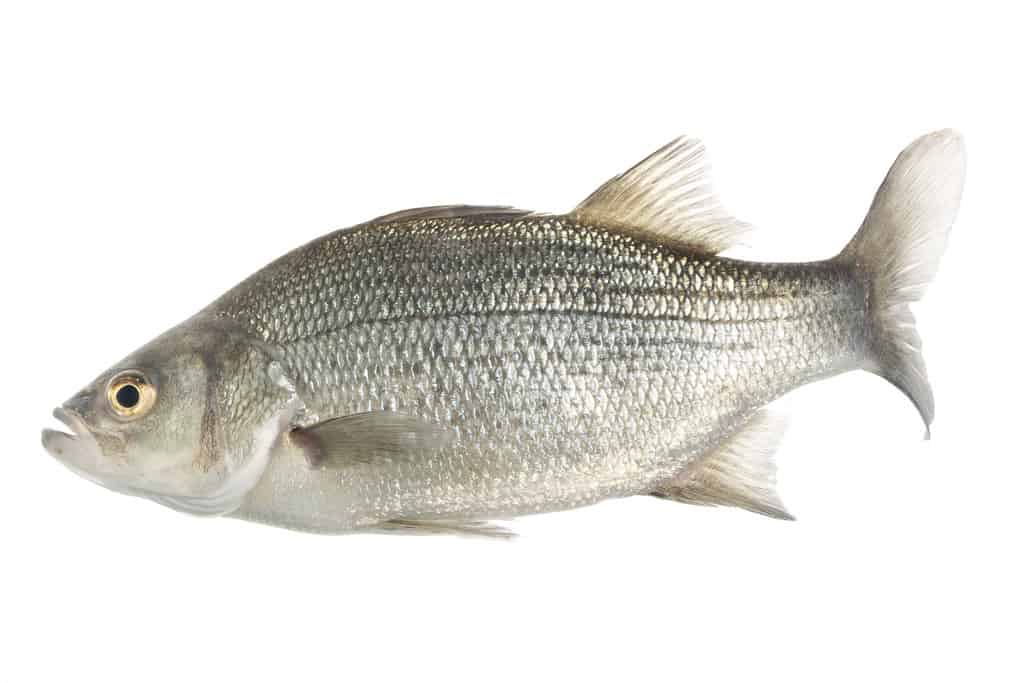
x=434 y=370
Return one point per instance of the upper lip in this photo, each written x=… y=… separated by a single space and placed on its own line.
x=72 y=421
x=78 y=450
x=76 y=432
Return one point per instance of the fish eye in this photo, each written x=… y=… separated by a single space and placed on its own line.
x=130 y=395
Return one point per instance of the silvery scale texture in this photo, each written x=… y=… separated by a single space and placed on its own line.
x=573 y=362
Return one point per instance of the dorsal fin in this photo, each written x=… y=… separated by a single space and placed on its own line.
x=669 y=195
x=450 y=211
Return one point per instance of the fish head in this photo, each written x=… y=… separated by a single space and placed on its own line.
x=189 y=420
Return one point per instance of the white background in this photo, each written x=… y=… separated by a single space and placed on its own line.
x=151 y=156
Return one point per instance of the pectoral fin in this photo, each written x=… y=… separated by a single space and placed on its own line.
x=364 y=437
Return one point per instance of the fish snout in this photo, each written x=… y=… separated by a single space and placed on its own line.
x=76 y=445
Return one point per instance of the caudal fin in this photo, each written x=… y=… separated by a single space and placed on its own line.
x=898 y=248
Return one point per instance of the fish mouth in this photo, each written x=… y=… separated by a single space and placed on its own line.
x=54 y=440
x=77 y=449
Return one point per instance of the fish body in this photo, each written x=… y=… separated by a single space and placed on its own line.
x=571 y=362
x=435 y=368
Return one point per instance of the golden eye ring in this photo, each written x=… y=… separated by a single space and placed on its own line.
x=130 y=395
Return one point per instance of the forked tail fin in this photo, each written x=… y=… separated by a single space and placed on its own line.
x=898 y=248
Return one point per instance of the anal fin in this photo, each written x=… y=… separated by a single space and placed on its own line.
x=739 y=473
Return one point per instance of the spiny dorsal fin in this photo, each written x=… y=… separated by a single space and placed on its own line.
x=363 y=437
x=451 y=211
x=739 y=473
x=669 y=195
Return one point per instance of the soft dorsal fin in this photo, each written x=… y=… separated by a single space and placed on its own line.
x=363 y=437
x=451 y=211
x=739 y=473
x=669 y=195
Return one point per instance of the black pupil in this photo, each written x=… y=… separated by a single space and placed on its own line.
x=128 y=396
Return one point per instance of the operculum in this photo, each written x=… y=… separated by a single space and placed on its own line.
x=250 y=405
